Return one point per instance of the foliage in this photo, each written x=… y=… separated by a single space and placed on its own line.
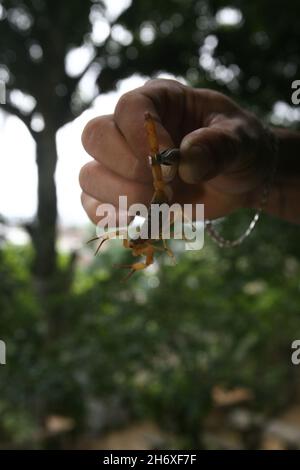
x=250 y=54
x=160 y=343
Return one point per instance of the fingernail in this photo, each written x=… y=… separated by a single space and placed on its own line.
x=168 y=172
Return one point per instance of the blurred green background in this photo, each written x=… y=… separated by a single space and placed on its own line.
x=192 y=356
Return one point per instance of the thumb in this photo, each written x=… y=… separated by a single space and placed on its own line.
x=208 y=152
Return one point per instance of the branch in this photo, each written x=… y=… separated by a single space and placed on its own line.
x=81 y=75
x=11 y=109
x=75 y=80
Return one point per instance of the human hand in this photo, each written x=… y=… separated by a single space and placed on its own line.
x=224 y=153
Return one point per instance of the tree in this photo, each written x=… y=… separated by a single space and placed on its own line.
x=36 y=37
x=242 y=50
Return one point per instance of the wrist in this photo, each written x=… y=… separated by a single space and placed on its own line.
x=268 y=153
x=284 y=192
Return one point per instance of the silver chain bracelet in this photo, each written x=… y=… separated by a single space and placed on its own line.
x=272 y=143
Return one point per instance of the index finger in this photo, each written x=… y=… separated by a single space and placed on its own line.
x=129 y=116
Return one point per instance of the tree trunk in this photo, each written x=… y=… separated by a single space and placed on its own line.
x=44 y=230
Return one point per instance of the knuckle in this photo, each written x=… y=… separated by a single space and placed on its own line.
x=89 y=207
x=163 y=86
x=124 y=102
x=82 y=199
x=84 y=176
x=93 y=131
x=156 y=82
x=162 y=83
x=87 y=132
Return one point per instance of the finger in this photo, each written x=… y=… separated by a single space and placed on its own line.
x=102 y=139
x=90 y=206
x=130 y=118
x=104 y=185
x=208 y=152
x=103 y=214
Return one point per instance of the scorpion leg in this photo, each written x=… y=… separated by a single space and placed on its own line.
x=139 y=265
x=107 y=236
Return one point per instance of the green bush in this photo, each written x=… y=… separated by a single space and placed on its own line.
x=158 y=343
